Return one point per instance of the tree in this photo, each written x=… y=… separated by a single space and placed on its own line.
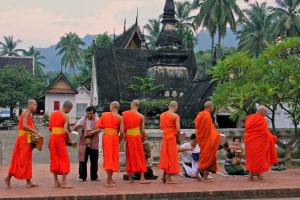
x=254 y=36
x=8 y=47
x=69 y=47
x=185 y=26
x=103 y=40
x=286 y=18
x=272 y=80
x=36 y=55
x=153 y=28
x=17 y=86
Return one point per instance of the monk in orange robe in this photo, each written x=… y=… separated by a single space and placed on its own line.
x=112 y=123
x=170 y=124
x=259 y=144
x=21 y=163
x=208 y=140
x=134 y=125
x=59 y=124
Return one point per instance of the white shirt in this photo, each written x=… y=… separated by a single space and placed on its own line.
x=186 y=156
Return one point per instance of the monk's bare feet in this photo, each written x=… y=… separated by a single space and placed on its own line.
x=30 y=184
x=260 y=177
x=65 y=185
x=110 y=184
x=144 y=182
x=57 y=185
x=130 y=179
x=7 y=183
x=163 y=180
x=170 y=181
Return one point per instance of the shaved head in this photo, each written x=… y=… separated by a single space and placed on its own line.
x=115 y=105
x=68 y=104
x=136 y=103
x=173 y=104
x=208 y=104
x=262 y=110
x=30 y=102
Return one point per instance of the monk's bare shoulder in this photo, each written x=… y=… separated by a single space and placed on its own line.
x=141 y=116
x=118 y=116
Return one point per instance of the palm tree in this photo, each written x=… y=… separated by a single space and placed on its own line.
x=287 y=20
x=185 y=24
x=36 y=55
x=216 y=15
x=8 y=47
x=69 y=47
x=254 y=35
x=153 y=28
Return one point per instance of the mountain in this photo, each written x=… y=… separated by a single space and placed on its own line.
x=52 y=61
x=204 y=40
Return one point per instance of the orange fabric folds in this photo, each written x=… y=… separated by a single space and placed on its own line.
x=110 y=142
x=59 y=157
x=169 y=161
x=259 y=144
x=21 y=163
x=208 y=140
x=135 y=157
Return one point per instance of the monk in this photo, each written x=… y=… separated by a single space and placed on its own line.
x=21 y=163
x=208 y=140
x=59 y=126
x=134 y=126
x=112 y=123
x=259 y=144
x=170 y=124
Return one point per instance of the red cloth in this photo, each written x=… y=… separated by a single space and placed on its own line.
x=169 y=161
x=21 y=163
x=59 y=157
x=110 y=143
x=208 y=140
x=135 y=157
x=259 y=144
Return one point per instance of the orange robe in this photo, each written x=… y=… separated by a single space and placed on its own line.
x=59 y=157
x=135 y=157
x=208 y=140
x=259 y=144
x=169 y=161
x=110 y=141
x=21 y=163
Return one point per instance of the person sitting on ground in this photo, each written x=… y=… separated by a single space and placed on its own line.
x=190 y=152
x=233 y=165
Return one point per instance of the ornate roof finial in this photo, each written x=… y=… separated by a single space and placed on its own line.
x=124 y=26
x=137 y=16
x=169 y=12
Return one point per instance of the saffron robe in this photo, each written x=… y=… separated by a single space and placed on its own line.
x=169 y=161
x=259 y=144
x=208 y=140
x=59 y=157
x=135 y=156
x=21 y=163
x=110 y=141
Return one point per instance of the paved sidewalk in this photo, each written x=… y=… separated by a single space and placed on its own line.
x=276 y=184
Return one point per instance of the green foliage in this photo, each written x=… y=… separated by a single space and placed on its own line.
x=69 y=47
x=103 y=40
x=32 y=52
x=153 y=28
x=9 y=47
x=145 y=86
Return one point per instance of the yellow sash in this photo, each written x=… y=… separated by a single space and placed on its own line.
x=110 y=131
x=58 y=130
x=134 y=131
x=22 y=132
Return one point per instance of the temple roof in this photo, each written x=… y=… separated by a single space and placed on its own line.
x=27 y=62
x=61 y=85
x=133 y=34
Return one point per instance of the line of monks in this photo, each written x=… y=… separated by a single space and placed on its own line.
x=132 y=125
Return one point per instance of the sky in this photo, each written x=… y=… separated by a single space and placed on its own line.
x=41 y=23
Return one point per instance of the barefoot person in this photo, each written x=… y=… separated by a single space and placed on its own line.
x=170 y=124
x=112 y=123
x=134 y=125
x=259 y=144
x=59 y=125
x=21 y=163
x=88 y=144
x=208 y=140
